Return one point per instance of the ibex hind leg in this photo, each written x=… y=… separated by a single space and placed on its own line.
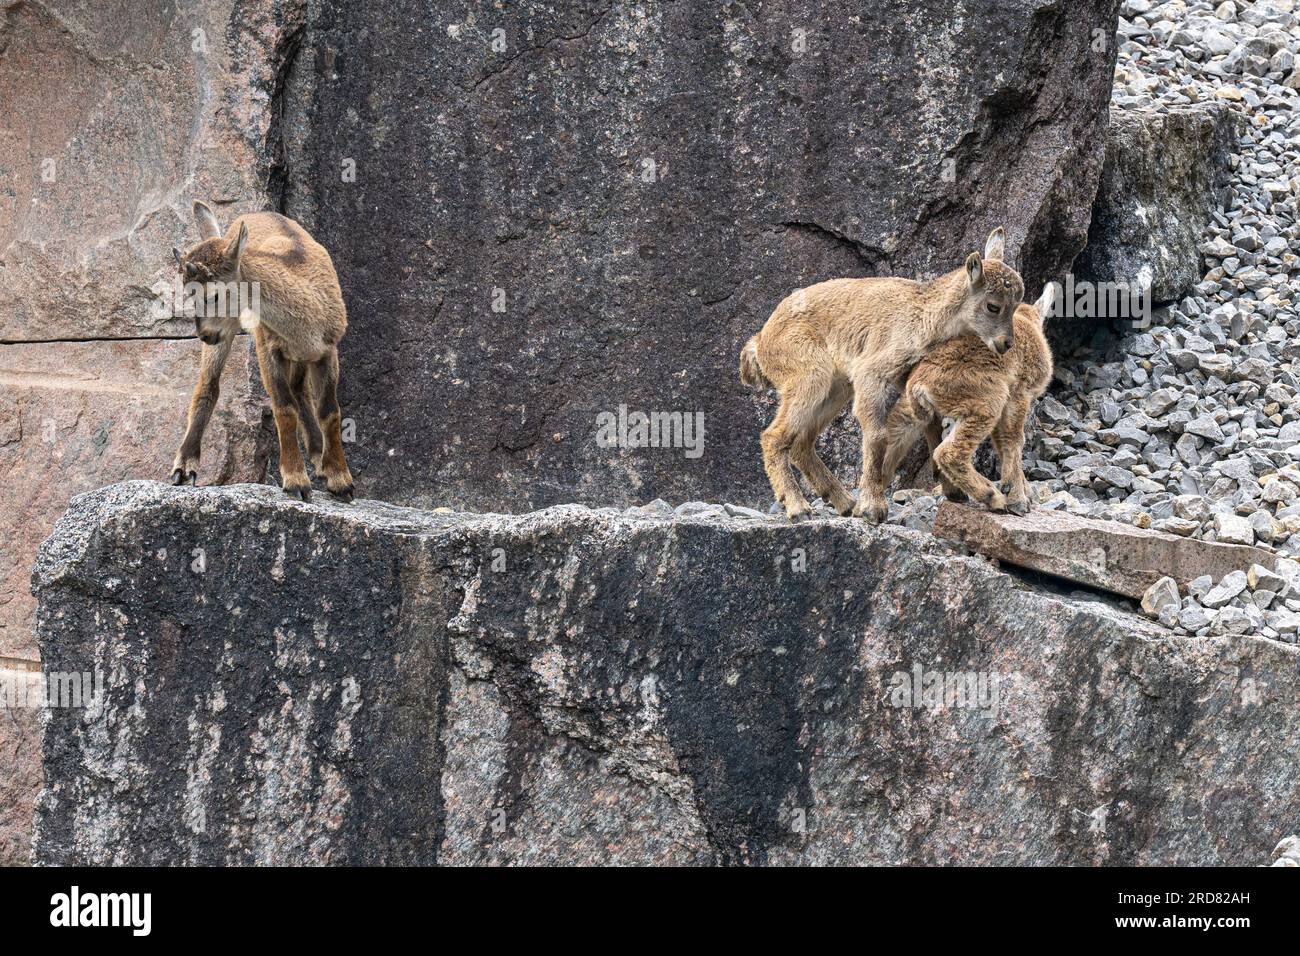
x=777 y=440
x=933 y=439
x=279 y=377
x=308 y=425
x=1009 y=442
x=805 y=457
x=955 y=460
x=919 y=395
x=902 y=429
x=873 y=395
x=325 y=380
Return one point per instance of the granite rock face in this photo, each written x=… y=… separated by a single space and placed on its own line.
x=20 y=769
x=114 y=116
x=556 y=211
x=290 y=683
x=77 y=415
x=635 y=188
x=1166 y=173
x=73 y=416
x=118 y=113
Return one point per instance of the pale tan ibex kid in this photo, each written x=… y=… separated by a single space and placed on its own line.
x=858 y=338
x=984 y=394
x=296 y=328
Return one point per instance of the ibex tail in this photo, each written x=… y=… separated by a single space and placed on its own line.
x=751 y=373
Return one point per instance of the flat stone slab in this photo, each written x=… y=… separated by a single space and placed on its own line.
x=1101 y=554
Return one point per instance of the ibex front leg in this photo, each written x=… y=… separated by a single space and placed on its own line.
x=283 y=381
x=872 y=392
x=186 y=466
x=325 y=378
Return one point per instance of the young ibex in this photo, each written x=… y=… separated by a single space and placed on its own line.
x=984 y=394
x=859 y=338
x=297 y=325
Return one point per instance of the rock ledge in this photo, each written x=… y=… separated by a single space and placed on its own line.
x=290 y=683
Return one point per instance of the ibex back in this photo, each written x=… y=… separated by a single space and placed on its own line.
x=858 y=338
x=297 y=323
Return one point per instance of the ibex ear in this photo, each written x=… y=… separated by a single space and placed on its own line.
x=1046 y=303
x=207 y=221
x=235 y=248
x=997 y=245
x=176 y=254
x=975 y=270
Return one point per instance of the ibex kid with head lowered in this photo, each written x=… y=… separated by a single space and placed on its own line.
x=986 y=395
x=858 y=338
x=296 y=328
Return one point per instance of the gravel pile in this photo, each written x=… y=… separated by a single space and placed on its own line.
x=1194 y=428
x=1255 y=601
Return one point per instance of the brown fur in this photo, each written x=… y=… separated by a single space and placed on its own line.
x=858 y=339
x=985 y=394
x=296 y=332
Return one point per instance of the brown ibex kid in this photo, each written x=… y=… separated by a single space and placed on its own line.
x=858 y=338
x=985 y=394
x=297 y=325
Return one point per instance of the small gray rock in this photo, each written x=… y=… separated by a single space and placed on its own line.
x=1227 y=589
x=1205 y=427
x=1162 y=594
x=1233 y=529
x=1261 y=577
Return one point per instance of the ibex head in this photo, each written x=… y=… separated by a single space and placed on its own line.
x=212 y=261
x=995 y=292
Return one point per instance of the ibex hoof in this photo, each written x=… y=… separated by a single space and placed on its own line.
x=344 y=495
x=301 y=491
x=1018 y=507
x=181 y=477
x=873 y=511
x=843 y=505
